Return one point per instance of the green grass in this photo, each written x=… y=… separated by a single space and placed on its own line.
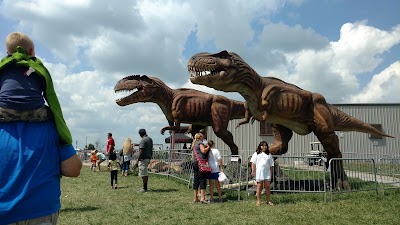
x=89 y=199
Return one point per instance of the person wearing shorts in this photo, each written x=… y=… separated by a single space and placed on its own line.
x=145 y=154
x=101 y=158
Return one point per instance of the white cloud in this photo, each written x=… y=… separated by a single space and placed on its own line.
x=384 y=87
x=334 y=70
x=360 y=46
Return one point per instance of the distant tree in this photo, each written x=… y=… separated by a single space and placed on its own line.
x=90 y=147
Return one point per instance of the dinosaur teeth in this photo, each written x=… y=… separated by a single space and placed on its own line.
x=196 y=72
x=123 y=93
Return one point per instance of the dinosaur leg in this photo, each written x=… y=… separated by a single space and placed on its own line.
x=323 y=127
x=282 y=136
x=330 y=142
x=227 y=137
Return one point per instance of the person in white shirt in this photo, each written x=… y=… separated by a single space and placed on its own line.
x=215 y=161
x=261 y=167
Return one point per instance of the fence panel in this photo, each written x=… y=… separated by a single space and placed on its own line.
x=361 y=175
x=181 y=166
x=233 y=170
x=389 y=169
x=297 y=174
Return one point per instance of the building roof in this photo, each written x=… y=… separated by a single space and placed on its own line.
x=179 y=138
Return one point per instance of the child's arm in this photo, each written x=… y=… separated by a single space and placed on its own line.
x=253 y=169
x=220 y=165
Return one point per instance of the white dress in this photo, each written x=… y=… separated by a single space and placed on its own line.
x=263 y=163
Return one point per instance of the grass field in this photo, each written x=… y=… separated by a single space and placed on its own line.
x=90 y=200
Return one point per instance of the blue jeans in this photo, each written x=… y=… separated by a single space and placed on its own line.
x=125 y=166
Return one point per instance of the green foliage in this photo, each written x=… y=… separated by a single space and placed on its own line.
x=90 y=147
x=89 y=199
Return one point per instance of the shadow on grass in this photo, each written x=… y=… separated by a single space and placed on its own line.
x=79 y=209
x=163 y=190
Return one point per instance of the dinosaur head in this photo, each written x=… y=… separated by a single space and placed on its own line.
x=144 y=88
x=220 y=71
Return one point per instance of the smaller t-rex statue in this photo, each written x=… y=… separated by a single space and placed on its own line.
x=184 y=105
x=287 y=106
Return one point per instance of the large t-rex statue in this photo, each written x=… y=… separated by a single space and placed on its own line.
x=184 y=105
x=288 y=107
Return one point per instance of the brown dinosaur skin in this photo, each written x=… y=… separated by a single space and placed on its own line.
x=184 y=105
x=287 y=106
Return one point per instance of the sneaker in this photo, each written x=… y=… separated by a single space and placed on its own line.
x=211 y=200
x=220 y=200
x=142 y=190
x=115 y=186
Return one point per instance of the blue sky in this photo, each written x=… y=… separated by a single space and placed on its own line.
x=346 y=50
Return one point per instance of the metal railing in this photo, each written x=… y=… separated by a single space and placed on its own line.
x=389 y=170
x=359 y=173
x=292 y=173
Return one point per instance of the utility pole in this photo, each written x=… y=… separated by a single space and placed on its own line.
x=86 y=143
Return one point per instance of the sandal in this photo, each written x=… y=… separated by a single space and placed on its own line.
x=270 y=203
x=204 y=202
x=195 y=201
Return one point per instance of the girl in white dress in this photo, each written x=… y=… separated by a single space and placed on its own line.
x=261 y=168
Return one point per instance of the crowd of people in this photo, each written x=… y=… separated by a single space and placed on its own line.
x=261 y=166
x=125 y=157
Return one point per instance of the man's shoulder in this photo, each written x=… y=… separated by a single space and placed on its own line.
x=147 y=138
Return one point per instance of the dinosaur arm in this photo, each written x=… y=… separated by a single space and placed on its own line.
x=247 y=117
x=170 y=127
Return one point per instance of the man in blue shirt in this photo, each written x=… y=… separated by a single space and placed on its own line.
x=32 y=154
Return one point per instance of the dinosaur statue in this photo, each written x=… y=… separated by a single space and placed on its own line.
x=184 y=105
x=288 y=107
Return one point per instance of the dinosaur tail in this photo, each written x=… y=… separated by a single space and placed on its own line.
x=345 y=122
x=238 y=109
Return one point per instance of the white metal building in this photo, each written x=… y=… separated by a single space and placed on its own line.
x=352 y=144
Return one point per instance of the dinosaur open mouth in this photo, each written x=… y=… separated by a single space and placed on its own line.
x=196 y=72
x=126 y=93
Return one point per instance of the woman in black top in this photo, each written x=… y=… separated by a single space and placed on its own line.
x=199 y=180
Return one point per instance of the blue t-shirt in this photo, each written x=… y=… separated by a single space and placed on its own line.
x=19 y=91
x=30 y=158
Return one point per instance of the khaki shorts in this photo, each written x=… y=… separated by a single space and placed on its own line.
x=143 y=164
x=44 y=220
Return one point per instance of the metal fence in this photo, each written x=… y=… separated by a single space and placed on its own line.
x=389 y=169
x=234 y=170
x=293 y=174
x=361 y=175
x=299 y=174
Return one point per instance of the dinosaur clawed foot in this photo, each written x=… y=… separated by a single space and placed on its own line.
x=342 y=185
